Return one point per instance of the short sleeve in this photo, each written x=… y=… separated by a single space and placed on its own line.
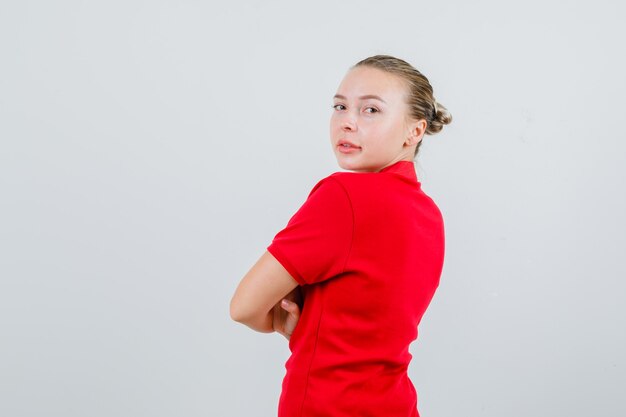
x=315 y=244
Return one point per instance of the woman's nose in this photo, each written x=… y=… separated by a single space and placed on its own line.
x=348 y=123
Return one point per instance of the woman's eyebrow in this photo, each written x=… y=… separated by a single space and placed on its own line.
x=365 y=97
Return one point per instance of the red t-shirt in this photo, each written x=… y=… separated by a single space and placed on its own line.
x=367 y=249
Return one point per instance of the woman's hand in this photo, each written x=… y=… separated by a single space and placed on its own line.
x=287 y=313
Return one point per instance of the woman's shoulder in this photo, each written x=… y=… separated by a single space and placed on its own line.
x=335 y=185
x=350 y=183
x=329 y=183
x=342 y=185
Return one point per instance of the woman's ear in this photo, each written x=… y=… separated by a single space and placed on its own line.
x=417 y=129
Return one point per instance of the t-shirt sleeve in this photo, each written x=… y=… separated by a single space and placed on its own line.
x=315 y=244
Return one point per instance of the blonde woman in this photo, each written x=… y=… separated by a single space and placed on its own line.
x=348 y=279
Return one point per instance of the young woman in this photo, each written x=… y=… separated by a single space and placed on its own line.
x=350 y=276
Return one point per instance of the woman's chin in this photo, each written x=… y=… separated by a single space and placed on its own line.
x=343 y=164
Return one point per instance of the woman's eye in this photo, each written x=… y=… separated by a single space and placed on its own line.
x=339 y=107
x=371 y=110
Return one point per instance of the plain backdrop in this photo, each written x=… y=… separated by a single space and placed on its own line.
x=150 y=151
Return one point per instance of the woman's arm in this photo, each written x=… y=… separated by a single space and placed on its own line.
x=259 y=291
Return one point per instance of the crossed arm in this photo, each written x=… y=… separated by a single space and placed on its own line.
x=265 y=299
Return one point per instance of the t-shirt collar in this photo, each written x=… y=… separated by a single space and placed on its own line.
x=403 y=168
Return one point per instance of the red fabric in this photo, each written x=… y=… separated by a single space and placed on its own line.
x=368 y=250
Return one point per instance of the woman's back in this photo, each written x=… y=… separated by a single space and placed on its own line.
x=368 y=250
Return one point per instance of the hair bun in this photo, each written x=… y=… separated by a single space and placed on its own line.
x=442 y=117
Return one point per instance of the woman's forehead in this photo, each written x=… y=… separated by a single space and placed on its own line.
x=366 y=81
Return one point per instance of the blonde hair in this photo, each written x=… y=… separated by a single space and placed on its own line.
x=422 y=103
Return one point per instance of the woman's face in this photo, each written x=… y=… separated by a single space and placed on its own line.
x=370 y=116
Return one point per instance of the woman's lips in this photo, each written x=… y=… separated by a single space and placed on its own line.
x=347 y=147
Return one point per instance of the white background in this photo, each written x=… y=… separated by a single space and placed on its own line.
x=150 y=150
